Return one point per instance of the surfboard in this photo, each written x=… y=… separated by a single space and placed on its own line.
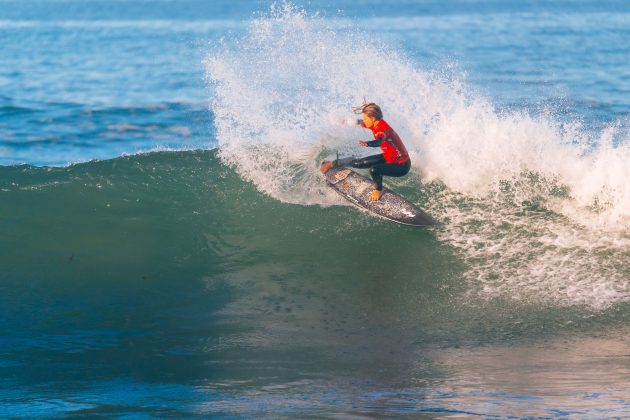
x=357 y=189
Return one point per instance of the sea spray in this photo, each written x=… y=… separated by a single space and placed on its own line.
x=280 y=89
x=539 y=208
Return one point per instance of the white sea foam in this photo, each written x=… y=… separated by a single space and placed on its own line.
x=539 y=209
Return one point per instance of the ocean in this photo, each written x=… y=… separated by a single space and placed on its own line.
x=169 y=248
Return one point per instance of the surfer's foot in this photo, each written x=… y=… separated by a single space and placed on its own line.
x=376 y=195
x=326 y=165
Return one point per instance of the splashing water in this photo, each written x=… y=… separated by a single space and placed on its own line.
x=539 y=209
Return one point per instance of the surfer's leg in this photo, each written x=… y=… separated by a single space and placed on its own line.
x=388 y=169
x=377 y=175
x=396 y=169
x=367 y=162
x=372 y=162
x=360 y=163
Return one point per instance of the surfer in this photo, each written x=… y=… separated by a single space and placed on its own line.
x=394 y=161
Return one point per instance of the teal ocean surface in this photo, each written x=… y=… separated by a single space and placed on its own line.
x=169 y=248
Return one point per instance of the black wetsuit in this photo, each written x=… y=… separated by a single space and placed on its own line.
x=393 y=162
x=378 y=166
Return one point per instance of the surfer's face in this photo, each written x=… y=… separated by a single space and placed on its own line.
x=368 y=121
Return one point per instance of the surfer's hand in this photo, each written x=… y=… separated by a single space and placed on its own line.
x=363 y=143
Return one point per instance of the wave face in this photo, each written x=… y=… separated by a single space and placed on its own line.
x=171 y=260
x=538 y=207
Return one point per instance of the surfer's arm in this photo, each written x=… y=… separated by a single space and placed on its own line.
x=378 y=139
x=374 y=143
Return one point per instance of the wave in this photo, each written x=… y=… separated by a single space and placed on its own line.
x=534 y=205
x=152 y=241
x=526 y=254
x=537 y=205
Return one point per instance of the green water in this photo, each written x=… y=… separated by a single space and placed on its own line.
x=164 y=285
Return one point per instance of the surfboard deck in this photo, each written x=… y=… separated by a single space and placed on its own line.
x=391 y=206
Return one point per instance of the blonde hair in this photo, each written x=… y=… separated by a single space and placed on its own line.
x=369 y=109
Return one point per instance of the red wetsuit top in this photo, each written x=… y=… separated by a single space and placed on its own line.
x=394 y=150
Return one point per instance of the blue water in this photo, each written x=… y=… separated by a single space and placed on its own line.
x=168 y=248
x=83 y=81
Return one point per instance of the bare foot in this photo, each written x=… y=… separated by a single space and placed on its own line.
x=376 y=195
x=325 y=166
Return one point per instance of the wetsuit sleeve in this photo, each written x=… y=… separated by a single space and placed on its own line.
x=374 y=143
x=378 y=139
